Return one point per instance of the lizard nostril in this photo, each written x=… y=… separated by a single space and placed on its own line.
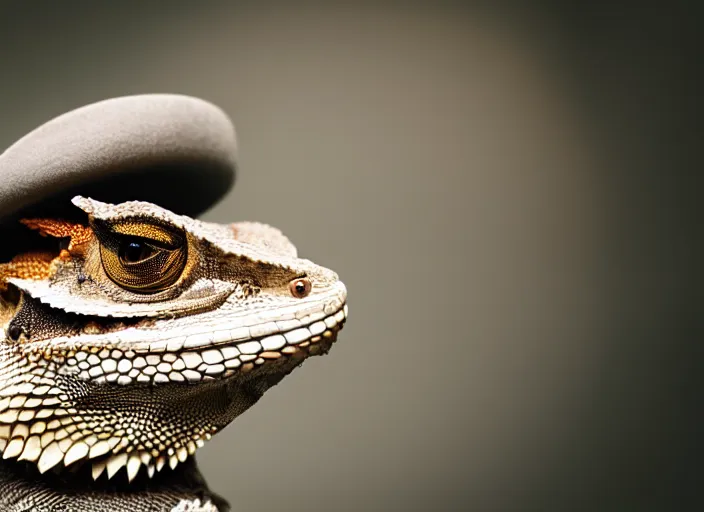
x=14 y=332
x=300 y=287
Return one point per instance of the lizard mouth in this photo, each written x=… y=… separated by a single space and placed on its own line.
x=235 y=390
x=163 y=401
x=285 y=358
x=277 y=352
x=185 y=412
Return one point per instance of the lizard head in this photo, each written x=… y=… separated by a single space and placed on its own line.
x=148 y=332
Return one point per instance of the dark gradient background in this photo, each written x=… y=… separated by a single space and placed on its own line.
x=509 y=194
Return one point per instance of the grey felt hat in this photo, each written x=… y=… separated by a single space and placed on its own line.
x=173 y=150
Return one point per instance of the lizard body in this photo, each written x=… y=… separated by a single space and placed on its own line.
x=146 y=333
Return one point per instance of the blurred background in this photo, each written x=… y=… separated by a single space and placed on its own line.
x=509 y=192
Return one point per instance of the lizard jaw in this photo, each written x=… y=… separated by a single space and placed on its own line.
x=245 y=378
x=237 y=392
x=201 y=355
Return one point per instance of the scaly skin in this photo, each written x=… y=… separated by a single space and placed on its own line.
x=145 y=334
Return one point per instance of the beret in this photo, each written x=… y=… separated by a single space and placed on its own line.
x=173 y=150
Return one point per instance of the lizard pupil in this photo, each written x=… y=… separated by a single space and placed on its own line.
x=300 y=287
x=134 y=251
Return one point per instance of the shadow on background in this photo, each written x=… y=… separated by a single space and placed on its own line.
x=509 y=194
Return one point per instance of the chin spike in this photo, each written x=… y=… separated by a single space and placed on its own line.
x=98 y=468
x=50 y=457
x=115 y=463
x=133 y=465
x=77 y=451
x=32 y=449
x=13 y=448
x=145 y=457
x=98 y=449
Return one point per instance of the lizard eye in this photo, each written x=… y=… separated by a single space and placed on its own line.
x=300 y=287
x=142 y=258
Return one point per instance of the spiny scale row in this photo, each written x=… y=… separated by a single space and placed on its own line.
x=73 y=442
x=133 y=460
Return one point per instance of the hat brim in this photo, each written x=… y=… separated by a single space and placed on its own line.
x=176 y=151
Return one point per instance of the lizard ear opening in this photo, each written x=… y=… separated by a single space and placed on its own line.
x=142 y=257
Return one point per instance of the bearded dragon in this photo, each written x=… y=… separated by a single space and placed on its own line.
x=145 y=333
